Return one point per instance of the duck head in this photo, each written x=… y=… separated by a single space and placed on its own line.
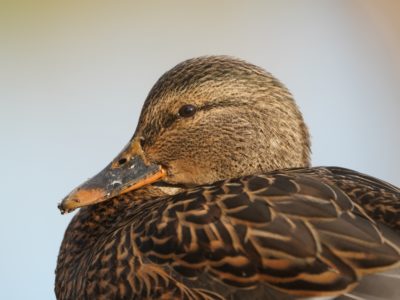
x=206 y=119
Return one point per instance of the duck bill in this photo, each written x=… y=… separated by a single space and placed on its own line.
x=113 y=181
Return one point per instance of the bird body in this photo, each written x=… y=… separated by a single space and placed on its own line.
x=216 y=199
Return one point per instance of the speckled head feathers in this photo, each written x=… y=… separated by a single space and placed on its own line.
x=246 y=122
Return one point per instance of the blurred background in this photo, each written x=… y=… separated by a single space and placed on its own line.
x=74 y=74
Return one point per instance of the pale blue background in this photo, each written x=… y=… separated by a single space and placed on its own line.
x=73 y=75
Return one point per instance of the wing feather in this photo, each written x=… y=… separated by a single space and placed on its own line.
x=307 y=232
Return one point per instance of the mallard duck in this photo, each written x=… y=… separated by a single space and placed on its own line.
x=214 y=198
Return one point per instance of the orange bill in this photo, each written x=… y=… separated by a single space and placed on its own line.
x=114 y=180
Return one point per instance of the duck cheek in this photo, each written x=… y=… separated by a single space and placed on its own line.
x=184 y=171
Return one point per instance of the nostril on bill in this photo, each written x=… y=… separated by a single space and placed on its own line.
x=122 y=161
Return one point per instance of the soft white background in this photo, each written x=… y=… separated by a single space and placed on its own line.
x=73 y=76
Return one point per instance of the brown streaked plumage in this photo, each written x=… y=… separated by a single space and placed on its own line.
x=221 y=203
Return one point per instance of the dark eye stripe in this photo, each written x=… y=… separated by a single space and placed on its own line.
x=169 y=119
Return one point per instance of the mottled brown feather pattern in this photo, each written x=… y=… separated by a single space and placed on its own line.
x=288 y=230
x=228 y=233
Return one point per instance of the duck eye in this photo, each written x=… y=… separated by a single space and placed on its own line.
x=187 y=110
